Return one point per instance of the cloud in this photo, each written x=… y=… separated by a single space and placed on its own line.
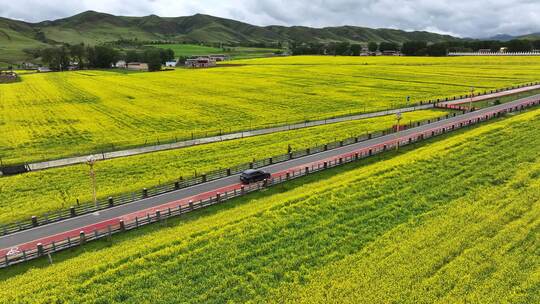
x=466 y=18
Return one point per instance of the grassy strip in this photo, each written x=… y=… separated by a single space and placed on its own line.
x=460 y=200
x=38 y=192
x=47 y=116
x=494 y=101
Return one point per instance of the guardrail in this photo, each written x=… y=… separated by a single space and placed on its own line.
x=15 y=257
x=88 y=207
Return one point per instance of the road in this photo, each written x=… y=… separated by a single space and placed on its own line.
x=490 y=96
x=188 y=143
x=28 y=239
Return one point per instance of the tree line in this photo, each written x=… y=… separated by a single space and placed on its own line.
x=59 y=58
x=414 y=48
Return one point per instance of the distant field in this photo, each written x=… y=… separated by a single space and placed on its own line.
x=61 y=114
x=455 y=220
x=190 y=49
x=39 y=192
x=234 y=52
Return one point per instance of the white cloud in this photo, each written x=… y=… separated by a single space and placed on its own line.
x=468 y=18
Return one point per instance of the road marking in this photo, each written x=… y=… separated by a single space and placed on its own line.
x=13 y=251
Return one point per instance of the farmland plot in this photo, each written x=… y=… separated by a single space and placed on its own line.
x=48 y=116
x=36 y=193
x=455 y=220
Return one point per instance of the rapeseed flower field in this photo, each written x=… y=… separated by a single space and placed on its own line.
x=454 y=220
x=38 y=192
x=54 y=115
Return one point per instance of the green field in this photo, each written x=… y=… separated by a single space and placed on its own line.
x=61 y=114
x=493 y=101
x=186 y=50
x=455 y=220
x=39 y=192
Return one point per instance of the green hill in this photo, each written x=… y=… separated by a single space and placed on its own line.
x=92 y=28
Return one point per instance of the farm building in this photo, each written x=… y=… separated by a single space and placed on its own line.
x=121 y=64
x=391 y=53
x=137 y=66
x=200 y=62
x=218 y=58
x=171 y=64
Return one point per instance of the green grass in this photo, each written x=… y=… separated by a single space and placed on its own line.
x=38 y=192
x=455 y=220
x=62 y=114
x=493 y=101
x=186 y=50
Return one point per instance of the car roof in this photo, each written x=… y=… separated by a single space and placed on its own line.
x=251 y=171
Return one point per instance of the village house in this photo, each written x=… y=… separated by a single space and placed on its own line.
x=171 y=64
x=200 y=62
x=137 y=66
x=121 y=64
x=391 y=53
x=44 y=69
x=218 y=58
x=28 y=66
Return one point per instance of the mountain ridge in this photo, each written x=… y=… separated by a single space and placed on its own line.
x=93 y=27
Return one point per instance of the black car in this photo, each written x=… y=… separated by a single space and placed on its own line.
x=253 y=176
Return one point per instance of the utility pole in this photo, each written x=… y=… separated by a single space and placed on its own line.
x=398 y=119
x=471 y=100
x=91 y=161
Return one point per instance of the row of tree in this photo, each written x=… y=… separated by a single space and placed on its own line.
x=59 y=58
x=414 y=48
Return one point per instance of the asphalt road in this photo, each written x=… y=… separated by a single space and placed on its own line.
x=80 y=222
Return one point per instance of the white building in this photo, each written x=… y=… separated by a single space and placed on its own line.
x=121 y=64
x=44 y=69
x=171 y=64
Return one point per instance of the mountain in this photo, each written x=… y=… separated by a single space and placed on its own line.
x=93 y=28
x=533 y=36
x=502 y=37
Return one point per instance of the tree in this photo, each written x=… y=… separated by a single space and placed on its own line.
x=132 y=56
x=166 y=55
x=102 y=57
x=518 y=45
x=536 y=44
x=373 y=46
x=388 y=46
x=437 y=49
x=342 y=49
x=78 y=53
x=414 y=48
x=57 y=58
x=153 y=59
x=356 y=49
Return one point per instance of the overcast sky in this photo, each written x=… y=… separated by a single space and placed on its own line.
x=465 y=18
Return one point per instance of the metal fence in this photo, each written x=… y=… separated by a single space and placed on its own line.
x=88 y=207
x=42 y=250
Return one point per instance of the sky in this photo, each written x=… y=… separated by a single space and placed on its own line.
x=464 y=18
